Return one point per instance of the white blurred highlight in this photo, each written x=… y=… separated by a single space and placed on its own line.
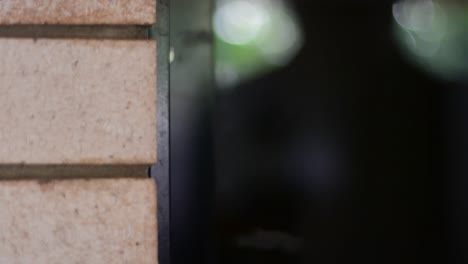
x=240 y=22
x=415 y=15
x=433 y=35
x=425 y=24
x=282 y=38
x=256 y=36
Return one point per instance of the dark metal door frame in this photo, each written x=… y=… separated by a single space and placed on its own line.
x=161 y=171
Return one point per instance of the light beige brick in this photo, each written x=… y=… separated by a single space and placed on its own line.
x=77 y=102
x=78 y=221
x=73 y=12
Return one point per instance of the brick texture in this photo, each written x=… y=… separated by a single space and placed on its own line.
x=86 y=102
x=73 y=12
x=78 y=221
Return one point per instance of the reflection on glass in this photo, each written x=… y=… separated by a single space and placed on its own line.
x=432 y=34
x=253 y=37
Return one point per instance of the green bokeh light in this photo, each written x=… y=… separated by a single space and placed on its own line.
x=253 y=38
x=434 y=36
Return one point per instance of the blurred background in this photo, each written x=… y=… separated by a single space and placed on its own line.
x=315 y=131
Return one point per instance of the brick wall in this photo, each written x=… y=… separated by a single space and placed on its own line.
x=78 y=131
